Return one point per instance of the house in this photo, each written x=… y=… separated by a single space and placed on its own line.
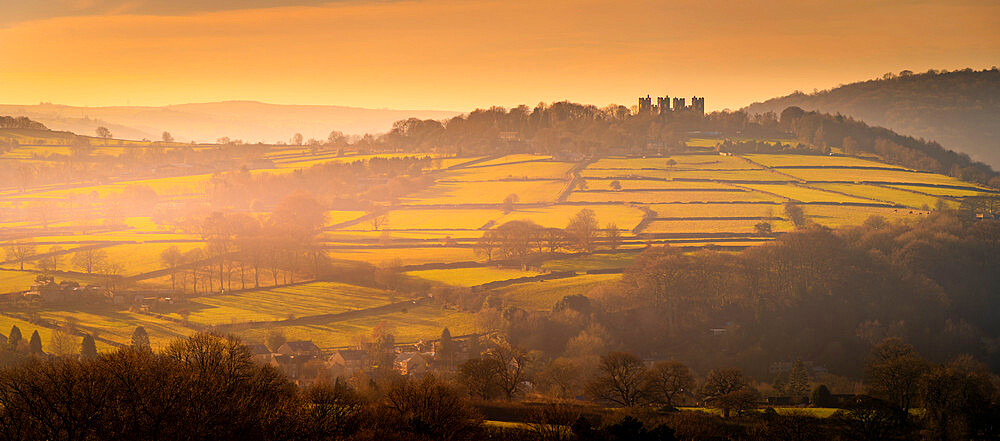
x=412 y=363
x=261 y=352
x=347 y=361
x=299 y=348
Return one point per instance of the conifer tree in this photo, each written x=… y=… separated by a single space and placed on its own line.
x=35 y=344
x=14 y=338
x=88 y=349
x=140 y=339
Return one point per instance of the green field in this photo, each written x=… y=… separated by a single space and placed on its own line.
x=541 y=296
x=533 y=170
x=280 y=303
x=778 y=160
x=514 y=158
x=406 y=256
x=805 y=194
x=595 y=261
x=663 y=197
x=863 y=175
x=432 y=219
x=471 y=276
x=558 y=216
x=717 y=210
x=649 y=184
x=836 y=216
x=713 y=226
x=445 y=193
x=680 y=162
x=888 y=194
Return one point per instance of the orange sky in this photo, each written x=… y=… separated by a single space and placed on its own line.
x=458 y=55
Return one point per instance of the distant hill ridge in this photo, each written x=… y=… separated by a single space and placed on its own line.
x=250 y=121
x=958 y=109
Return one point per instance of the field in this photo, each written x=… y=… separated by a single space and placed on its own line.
x=533 y=170
x=281 y=303
x=457 y=193
x=542 y=296
x=712 y=226
x=470 y=276
x=558 y=216
x=663 y=197
x=891 y=195
x=691 y=201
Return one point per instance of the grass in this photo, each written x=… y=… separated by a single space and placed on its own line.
x=646 y=184
x=407 y=256
x=681 y=162
x=534 y=170
x=595 y=261
x=12 y=280
x=805 y=194
x=712 y=226
x=115 y=325
x=862 y=175
x=937 y=191
x=471 y=276
x=542 y=296
x=280 y=303
x=514 y=158
x=702 y=142
x=173 y=186
x=336 y=217
x=708 y=175
x=886 y=194
x=408 y=326
x=353 y=236
x=717 y=210
x=836 y=216
x=557 y=216
x=779 y=160
x=487 y=192
x=420 y=219
x=662 y=197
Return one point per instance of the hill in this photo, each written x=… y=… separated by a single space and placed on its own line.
x=250 y=121
x=960 y=109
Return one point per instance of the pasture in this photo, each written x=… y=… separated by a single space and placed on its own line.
x=542 y=296
x=834 y=216
x=471 y=276
x=688 y=226
x=663 y=197
x=557 y=216
x=457 y=193
x=891 y=195
x=805 y=194
x=511 y=172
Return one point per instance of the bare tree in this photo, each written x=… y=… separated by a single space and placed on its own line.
x=20 y=251
x=582 y=229
x=297 y=139
x=89 y=260
x=620 y=379
x=167 y=137
x=614 y=236
x=668 y=380
x=512 y=363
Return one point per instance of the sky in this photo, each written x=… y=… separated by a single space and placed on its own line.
x=463 y=54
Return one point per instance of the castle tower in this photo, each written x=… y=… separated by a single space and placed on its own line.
x=698 y=104
x=645 y=104
x=679 y=104
x=663 y=103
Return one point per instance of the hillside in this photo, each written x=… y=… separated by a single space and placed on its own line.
x=960 y=109
x=205 y=122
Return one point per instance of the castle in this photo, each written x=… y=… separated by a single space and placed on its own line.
x=663 y=105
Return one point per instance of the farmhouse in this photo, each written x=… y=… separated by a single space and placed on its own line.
x=412 y=363
x=347 y=361
x=299 y=348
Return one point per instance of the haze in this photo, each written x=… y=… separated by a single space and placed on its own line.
x=459 y=55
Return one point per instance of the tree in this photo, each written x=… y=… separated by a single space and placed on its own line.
x=103 y=133
x=512 y=365
x=274 y=339
x=956 y=399
x=727 y=389
x=51 y=262
x=795 y=214
x=167 y=137
x=562 y=377
x=821 y=397
x=172 y=258
x=582 y=230
x=431 y=409
x=446 y=347
x=614 y=236
x=620 y=379
x=510 y=203
x=479 y=376
x=616 y=185
x=90 y=260
x=20 y=251
x=798 y=380
x=487 y=244
x=35 y=344
x=763 y=228
x=297 y=139
x=667 y=381
x=893 y=373
x=88 y=347
x=62 y=343
x=14 y=337
x=140 y=339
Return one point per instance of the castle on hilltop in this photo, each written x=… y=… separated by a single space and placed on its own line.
x=663 y=105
